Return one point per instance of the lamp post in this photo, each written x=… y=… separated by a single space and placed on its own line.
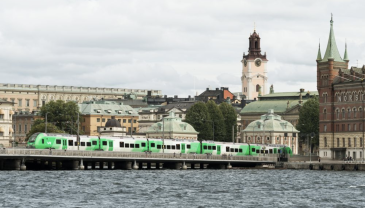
x=45 y=127
x=163 y=134
x=78 y=137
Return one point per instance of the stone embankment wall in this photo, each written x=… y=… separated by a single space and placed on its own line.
x=325 y=166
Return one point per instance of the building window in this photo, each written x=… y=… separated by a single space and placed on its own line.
x=34 y=103
x=325 y=114
x=337 y=127
x=338 y=142
x=257 y=88
x=97 y=119
x=43 y=102
x=349 y=127
x=325 y=128
x=129 y=120
x=354 y=127
x=355 y=142
x=325 y=142
x=361 y=142
x=348 y=113
x=20 y=102
x=343 y=142
x=360 y=112
x=20 y=128
x=103 y=120
x=27 y=103
x=360 y=125
x=124 y=120
x=349 y=139
x=343 y=113
x=355 y=112
x=343 y=127
x=338 y=114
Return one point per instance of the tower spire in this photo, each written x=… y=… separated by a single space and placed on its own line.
x=345 y=57
x=319 y=56
x=332 y=51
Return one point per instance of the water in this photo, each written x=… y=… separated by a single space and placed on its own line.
x=179 y=188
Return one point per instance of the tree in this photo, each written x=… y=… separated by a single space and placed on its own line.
x=218 y=120
x=197 y=116
x=230 y=119
x=62 y=114
x=309 y=120
x=39 y=126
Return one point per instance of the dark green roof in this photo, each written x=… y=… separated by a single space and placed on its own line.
x=279 y=106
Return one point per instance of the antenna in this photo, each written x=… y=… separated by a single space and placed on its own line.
x=254 y=26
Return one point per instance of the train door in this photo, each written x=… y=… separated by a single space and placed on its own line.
x=110 y=146
x=218 y=149
x=182 y=148
x=64 y=144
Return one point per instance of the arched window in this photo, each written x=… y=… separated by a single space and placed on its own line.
x=337 y=114
x=257 y=88
x=355 y=127
x=355 y=112
x=348 y=113
x=360 y=112
x=343 y=113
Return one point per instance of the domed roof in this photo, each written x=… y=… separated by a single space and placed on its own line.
x=270 y=122
x=113 y=123
x=172 y=124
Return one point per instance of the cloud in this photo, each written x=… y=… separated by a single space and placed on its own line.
x=179 y=47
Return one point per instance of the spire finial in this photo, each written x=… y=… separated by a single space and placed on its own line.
x=345 y=57
x=331 y=19
x=319 y=55
x=254 y=26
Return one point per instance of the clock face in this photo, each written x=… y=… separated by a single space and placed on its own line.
x=258 y=62
x=245 y=62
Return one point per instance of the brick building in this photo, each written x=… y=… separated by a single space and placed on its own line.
x=341 y=92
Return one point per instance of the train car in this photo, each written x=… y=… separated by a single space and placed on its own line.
x=130 y=144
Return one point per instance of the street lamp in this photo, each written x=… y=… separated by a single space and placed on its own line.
x=45 y=127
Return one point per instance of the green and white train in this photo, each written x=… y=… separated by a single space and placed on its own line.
x=130 y=144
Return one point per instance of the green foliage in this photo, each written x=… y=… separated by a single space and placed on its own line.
x=309 y=120
x=39 y=126
x=230 y=119
x=197 y=116
x=62 y=114
x=216 y=116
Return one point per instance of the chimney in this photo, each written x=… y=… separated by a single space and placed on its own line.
x=301 y=90
x=217 y=89
x=113 y=117
x=149 y=93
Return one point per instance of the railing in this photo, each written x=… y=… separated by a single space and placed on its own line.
x=107 y=154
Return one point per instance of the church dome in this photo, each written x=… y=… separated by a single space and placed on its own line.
x=113 y=123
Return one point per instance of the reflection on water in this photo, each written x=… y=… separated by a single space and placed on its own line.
x=179 y=188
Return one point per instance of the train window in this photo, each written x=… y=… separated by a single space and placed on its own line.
x=209 y=147
x=88 y=144
x=262 y=151
x=164 y=146
x=121 y=144
x=236 y=150
x=257 y=151
x=227 y=149
x=172 y=147
x=168 y=146
x=126 y=145
x=205 y=147
x=75 y=143
x=70 y=143
x=232 y=149
x=94 y=142
x=58 y=141
x=153 y=144
x=137 y=145
x=143 y=144
x=177 y=146
x=42 y=141
x=240 y=150
x=158 y=146
x=270 y=151
x=105 y=143
x=131 y=145
x=188 y=146
x=214 y=147
x=253 y=150
x=266 y=151
x=82 y=143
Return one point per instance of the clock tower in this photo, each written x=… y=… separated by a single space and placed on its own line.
x=254 y=69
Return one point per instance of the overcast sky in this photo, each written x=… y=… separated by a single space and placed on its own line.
x=179 y=47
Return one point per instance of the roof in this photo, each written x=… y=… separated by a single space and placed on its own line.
x=172 y=124
x=348 y=75
x=270 y=122
x=332 y=51
x=294 y=95
x=279 y=106
x=106 y=108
